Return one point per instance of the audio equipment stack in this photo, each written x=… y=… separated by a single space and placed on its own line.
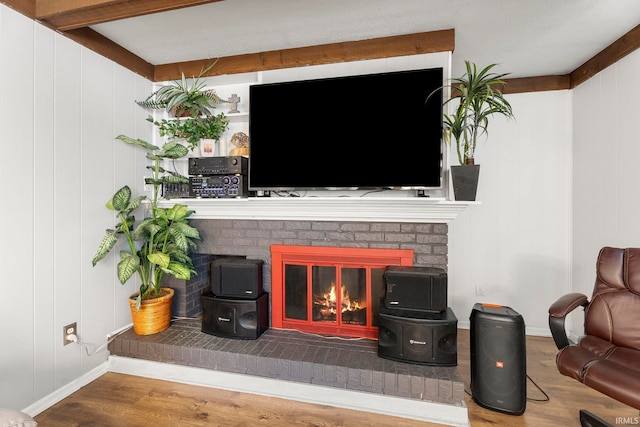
x=414 y=323
x=498 y=358
x=218 y=177
x=237 y=306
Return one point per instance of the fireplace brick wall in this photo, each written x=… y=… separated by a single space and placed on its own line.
x=253 y=238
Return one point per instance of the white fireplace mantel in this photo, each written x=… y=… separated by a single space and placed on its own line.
x=374 y=209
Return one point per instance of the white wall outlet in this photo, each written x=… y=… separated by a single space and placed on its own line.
x=479 y=290
x=67 y=331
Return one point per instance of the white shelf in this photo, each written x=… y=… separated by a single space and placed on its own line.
x=378 y=209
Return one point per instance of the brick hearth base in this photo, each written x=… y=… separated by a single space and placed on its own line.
x=295 y=356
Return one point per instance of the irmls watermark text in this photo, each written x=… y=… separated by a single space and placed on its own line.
x=628 y=420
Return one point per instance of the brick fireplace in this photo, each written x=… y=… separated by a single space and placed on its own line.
x=253 y=239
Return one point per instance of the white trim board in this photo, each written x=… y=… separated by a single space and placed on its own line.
x=342 y=398
x=66 y=390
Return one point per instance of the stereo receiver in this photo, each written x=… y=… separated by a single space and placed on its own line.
x=218 y=186
x=206 y=166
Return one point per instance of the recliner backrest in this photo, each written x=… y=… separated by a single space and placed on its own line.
x=614 y=311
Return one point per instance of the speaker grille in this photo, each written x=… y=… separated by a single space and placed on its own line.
x=498 y=359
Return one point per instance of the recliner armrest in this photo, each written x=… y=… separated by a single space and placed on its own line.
x=567 y=303
x=558 y=312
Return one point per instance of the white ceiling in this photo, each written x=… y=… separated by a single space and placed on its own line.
x=527 y=38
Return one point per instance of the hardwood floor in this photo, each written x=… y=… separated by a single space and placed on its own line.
x=123 y=400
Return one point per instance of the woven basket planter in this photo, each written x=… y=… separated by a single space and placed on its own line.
x=154 y=315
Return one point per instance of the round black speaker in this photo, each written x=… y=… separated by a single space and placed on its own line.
x=417 y=341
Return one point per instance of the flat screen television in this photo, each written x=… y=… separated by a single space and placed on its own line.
x=371 y=131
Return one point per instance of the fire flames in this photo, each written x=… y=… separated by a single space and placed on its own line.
x=328 y=302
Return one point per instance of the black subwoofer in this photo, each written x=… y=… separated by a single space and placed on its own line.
x=429 y=338
x=237 y=278
x=416 y=288
x=235 y=318
x=498 y=358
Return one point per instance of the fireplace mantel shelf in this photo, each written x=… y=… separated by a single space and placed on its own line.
x=376 y=209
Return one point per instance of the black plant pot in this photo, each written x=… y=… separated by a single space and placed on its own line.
x=465 y=181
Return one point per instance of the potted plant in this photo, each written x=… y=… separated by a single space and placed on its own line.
x=193 y=129
x=184 y=99
x=159 y=244
x=479 y=96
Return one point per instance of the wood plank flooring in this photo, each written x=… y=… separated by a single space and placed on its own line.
x=123 y=400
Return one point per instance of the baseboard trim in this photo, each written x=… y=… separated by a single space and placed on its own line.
x=309 y=393
x=66 y=390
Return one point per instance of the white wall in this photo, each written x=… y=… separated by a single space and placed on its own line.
x=606 y=177
x=515 y=243
x=61 y=108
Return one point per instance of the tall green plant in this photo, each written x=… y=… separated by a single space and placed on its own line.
x=161 y=243
x=479 y=94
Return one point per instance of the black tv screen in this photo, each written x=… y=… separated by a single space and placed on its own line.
x=372 y=131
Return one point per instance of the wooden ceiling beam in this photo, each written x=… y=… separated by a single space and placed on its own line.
x=65 y=15
x=383 y=47
x=536 y=84
x=606 y=57
x=109 y=49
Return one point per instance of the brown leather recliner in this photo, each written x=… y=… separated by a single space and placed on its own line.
x=607 y=357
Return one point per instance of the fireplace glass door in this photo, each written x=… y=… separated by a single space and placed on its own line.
x=333 y=298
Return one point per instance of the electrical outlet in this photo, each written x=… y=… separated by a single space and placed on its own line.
x=71 y=329
x=479 y=290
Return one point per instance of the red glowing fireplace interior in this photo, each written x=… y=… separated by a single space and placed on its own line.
x=330 y=290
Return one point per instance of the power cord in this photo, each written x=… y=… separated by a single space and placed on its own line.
x=546 y=396
x=74 y=338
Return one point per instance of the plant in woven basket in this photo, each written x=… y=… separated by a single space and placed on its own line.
x=162 y=242
x=184 y=97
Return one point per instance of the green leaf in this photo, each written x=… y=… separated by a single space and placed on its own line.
x=120 y=200
x=179 y=239
x=126 y=224
x=186 y=230
x=177 y=212
x=160 y=259
x=108 y=242
x=174 y=152
x=179 y=271
x=140 y=142
x=127 y=266
x=133 y=204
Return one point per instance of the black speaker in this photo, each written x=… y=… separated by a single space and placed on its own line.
x=235 y=318
x=498 y=358
x=429 y=339
x=416 y=288
x=236 y=278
